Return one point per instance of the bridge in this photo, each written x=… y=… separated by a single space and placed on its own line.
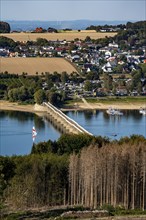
x=62 y=122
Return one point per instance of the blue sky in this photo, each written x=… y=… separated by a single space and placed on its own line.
x=73 y=10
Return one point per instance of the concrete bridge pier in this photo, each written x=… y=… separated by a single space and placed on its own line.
x=62 y=121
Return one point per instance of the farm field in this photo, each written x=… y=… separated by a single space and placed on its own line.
x=57 y=36
x=19 y=65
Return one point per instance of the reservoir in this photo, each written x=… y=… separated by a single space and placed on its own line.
x=16 y=128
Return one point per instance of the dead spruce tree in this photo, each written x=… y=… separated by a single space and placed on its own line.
x=114 y=174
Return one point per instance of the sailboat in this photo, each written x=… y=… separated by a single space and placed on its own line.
x=34 y=133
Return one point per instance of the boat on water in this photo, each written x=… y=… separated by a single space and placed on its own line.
x=112 y=111
x=142 y=111
x=34 y=133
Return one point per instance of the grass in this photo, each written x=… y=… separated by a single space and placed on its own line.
x=108 y=100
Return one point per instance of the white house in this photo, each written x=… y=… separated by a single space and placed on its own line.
x=107 y=68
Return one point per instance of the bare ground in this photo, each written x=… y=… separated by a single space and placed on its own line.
x=5 y=105
x=32 y=65
x=57 y=36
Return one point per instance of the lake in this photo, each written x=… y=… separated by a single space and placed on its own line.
x=16 y=128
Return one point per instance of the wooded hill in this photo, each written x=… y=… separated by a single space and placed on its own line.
x=77 y=170
x=131 y=34
x=4 y=27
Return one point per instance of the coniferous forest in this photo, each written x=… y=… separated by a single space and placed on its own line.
x=77 y=170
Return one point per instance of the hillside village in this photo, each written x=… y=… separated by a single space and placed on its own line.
x=110 y=66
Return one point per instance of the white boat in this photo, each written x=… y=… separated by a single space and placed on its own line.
x=142 y=111
x=112 y=111
x=34 y=133
x=118 y=112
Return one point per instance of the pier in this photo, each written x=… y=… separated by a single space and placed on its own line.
x=62 y=122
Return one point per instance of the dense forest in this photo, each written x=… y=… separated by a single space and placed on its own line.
x=77 y=170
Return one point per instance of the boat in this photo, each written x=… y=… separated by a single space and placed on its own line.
x=142 y=111
x=34 y=133
x=112 y=111
x=118 y=112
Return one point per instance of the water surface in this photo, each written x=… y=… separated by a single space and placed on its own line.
x=100 y=123
x=16 y=132
x=16 y=128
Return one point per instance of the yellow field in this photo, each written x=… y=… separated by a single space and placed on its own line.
x=33 y=65
x=60 y=36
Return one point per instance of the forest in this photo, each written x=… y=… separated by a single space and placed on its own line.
x=29 y=89
x=130 y=34
x=77 y=170
x=4 y=27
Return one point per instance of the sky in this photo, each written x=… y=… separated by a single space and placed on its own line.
x=107 y=10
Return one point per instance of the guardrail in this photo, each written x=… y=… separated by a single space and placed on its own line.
x=70 y=121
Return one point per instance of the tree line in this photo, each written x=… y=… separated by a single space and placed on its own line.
x=29 y=89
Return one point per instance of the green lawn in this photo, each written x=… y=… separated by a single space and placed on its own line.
x=107 y=100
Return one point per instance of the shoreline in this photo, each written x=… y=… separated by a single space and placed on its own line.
x=80 y=106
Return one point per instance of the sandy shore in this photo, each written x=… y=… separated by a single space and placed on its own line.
x=5 y=105
x=122 y=106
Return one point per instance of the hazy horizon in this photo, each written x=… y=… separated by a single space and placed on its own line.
x=22 y=25
x=74 y=20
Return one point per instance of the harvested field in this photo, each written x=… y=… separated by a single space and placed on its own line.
x=54 y=36
x=32 y=65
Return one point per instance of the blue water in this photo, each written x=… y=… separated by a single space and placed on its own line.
x=16 y=132
x=100 y=123
x=16 y=128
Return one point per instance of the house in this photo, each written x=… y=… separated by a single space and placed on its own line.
x=108 y=54
x=103 y=49
x=112 y=61
x=39 y=30
x=75 y=58
x=121 y=91
x=113 y=45
x=107 y=68
x=87 y=67
x=4 y=52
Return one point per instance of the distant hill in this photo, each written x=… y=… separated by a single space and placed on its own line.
x=72 y=24
x=4 y=27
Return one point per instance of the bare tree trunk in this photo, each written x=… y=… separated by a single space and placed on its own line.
x=133 y=187
x=144 y=182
